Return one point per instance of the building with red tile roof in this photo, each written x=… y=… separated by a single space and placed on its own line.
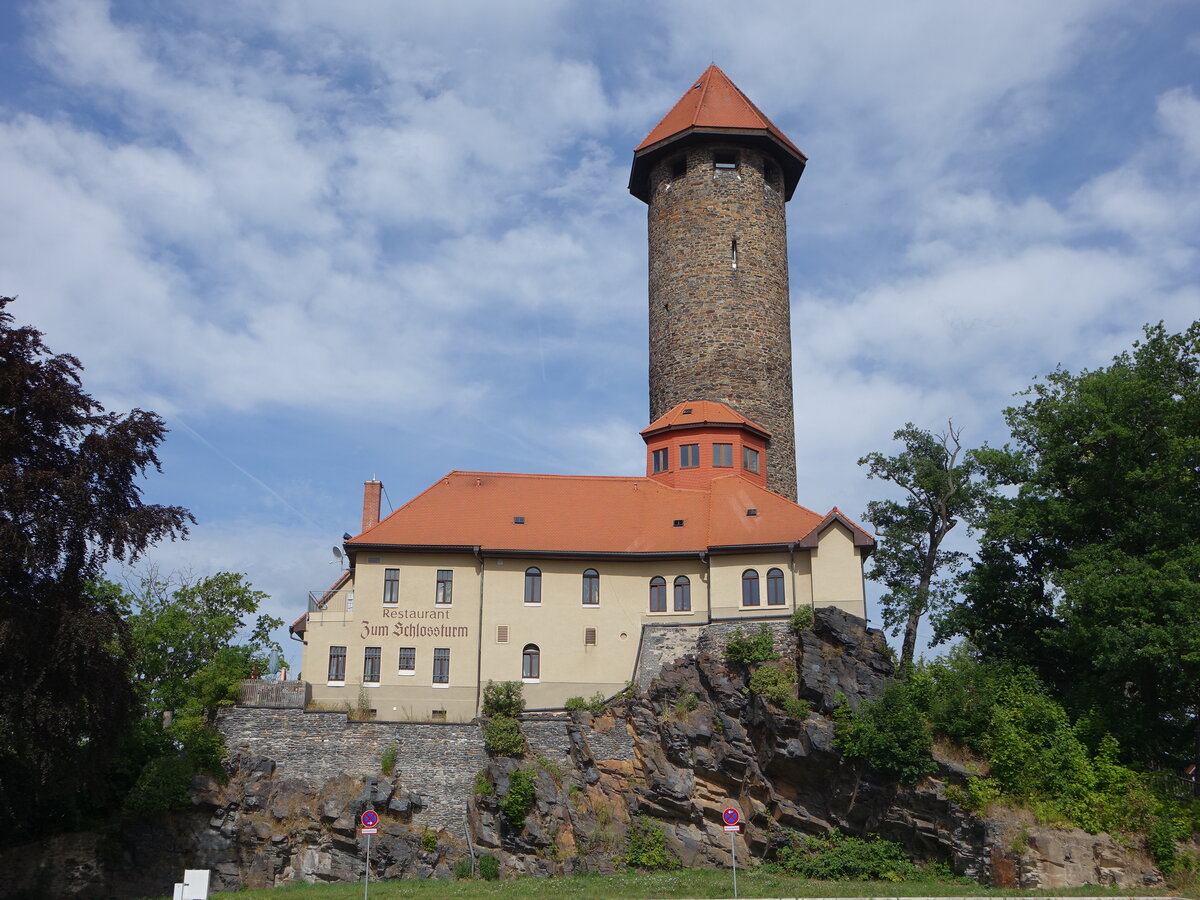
x=553 y=580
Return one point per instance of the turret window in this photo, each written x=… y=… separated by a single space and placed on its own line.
x=662 y=459
x=750 y=588
x=775 y=595
x=723 y=456
x=689 y=456
x=724 y=159
x=658 y=594
x=750 y=460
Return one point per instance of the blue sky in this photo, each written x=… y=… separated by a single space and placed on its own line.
x=335 y=241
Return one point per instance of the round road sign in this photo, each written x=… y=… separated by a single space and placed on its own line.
x=370 y=818
x=731 y=816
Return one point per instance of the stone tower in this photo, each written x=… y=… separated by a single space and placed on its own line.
x=715 y=173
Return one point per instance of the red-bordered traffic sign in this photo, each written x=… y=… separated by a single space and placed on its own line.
x=370 y=818
x=731 y=816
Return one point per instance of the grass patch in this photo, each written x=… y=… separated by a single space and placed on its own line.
x=681 y=883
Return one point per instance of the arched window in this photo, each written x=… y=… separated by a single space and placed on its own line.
x=775 y=596
x=531 y=662
x=683 y=594
x=591 y=587
x=750 y=588
x=658 y=594
x=533 y=585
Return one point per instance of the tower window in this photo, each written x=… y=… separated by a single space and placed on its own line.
x=723 y=456
x=689 y=456
x=591 y=587
x=662 y=459
x=679 y=167
x=658 y=594
x=533 y=585
x=683 y=594
x=775 y=595
x=750 y=460
x=733 y=253
x=750 y=588
x=724 y=159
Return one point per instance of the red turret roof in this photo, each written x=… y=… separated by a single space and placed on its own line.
x=695 y=413
x=714 y=102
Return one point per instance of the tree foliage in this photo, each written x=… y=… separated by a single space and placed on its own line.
x=69 y=503
x=942 y=486
x=1089 y=566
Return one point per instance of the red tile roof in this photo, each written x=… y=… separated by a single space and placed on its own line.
x=589 y=515
x=700 y=412
x=714 y=102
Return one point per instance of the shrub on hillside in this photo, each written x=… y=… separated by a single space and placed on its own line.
x=803 y=618
x=520 y=797
x=503 y=698
x=890 y=734
x=489 y=867
x=646 y=846
x=744 y=650
x=839 y=857
x=502 y=736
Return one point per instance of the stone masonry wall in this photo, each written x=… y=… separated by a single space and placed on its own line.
x=436 y=761
x=719 y=332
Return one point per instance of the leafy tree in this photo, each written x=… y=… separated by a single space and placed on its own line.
x=1090 y=562
x=942 y=485
x=69 y=503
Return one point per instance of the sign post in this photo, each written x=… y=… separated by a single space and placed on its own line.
x=370 y=826
x=731 y=817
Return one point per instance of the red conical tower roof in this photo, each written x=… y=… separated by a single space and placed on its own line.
x=714 y=105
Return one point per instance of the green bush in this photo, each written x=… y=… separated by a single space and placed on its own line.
x=520 y=798
x=687 y=702
x=797 y=709
x=463 y=869
x=774 y=683
x=163 y=785
x=502 y=737
x=483 y=785
x=889 y=734
x=429 y=841
x=387 y=761
x=503 y=698
x=489 y=867
x=803 y=618
x=578 y=704
x=839 y=857
x=745 y=650
x=646 y=846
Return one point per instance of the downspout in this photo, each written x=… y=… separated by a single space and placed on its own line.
x=479 y=636
x=707 y=560
x=292 y=635
x=792 y=569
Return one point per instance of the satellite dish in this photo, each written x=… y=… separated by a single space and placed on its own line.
x=337 y=554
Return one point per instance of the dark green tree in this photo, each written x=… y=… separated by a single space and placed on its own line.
x=1090 y=561
x=69 y=503
x=942 y=486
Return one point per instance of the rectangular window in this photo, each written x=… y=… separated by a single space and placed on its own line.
x=441 y=665
x=750 y=460
x=445 y=583
x=723 y=455
x=725 y=159
x=689 y=456
x=337 y=664
x=662 y=459
x=408 y=660
x=391 y=585
x=371 y=657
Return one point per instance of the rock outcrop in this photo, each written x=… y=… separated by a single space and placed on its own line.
x=692 y=741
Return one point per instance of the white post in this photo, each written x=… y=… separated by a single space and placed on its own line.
x=733 y=850
x=367 y=874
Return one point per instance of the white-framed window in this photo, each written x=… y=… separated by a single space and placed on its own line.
x=533 y=586
x=591 y=587
x=337 y=665
x=408 y=661
x=371 y=658
x=445 y=585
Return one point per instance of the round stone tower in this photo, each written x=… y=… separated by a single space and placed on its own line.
x=715 y=173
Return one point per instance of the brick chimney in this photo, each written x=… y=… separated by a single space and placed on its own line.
x=372 y=495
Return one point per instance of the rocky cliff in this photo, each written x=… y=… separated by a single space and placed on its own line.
x=690 y=741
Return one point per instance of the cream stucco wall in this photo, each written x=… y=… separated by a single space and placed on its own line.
x=490 y=593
